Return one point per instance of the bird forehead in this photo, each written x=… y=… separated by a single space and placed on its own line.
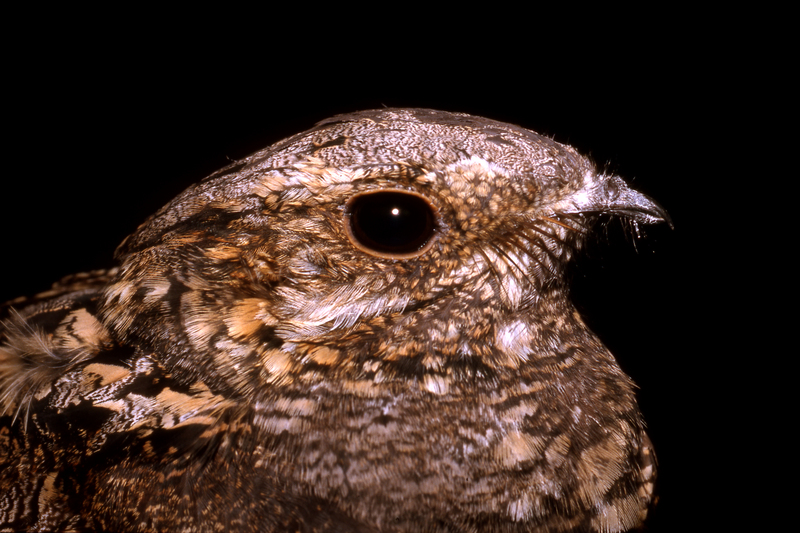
x=454 y=154
x=430 y=139
x=387 y=152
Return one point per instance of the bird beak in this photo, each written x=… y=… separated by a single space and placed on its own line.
x=611 y=195
x=619 y=199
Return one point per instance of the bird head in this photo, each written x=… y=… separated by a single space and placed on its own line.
x=389 y=235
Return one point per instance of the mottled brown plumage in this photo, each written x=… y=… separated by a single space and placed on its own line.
x=362 y=328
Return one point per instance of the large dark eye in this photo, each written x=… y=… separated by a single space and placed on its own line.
x=394 y=224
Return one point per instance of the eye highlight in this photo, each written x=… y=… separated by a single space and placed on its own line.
x=390 y=223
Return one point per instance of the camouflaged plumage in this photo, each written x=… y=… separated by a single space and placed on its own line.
x=258 y=362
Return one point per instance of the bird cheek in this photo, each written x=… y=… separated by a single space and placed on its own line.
x=246 y=318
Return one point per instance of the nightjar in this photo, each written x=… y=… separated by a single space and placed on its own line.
x=365 y=327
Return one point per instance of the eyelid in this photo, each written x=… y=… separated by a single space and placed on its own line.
x=420 y=238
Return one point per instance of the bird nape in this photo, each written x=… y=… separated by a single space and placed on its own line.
x=364 y=327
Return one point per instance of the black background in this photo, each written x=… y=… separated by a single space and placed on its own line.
x=106 y=124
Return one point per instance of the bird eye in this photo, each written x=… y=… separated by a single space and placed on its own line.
x=393 y=224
